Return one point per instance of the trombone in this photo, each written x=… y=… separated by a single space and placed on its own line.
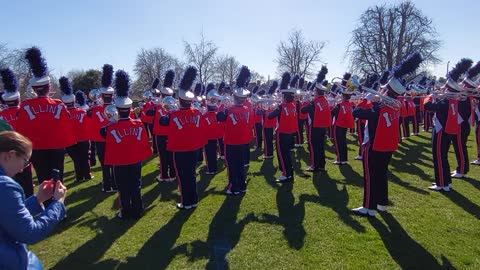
x=384 y=99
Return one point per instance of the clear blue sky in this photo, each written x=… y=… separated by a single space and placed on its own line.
x=86 y=34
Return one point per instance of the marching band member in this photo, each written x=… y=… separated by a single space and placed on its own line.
x=80 y=123
x=286 y=114
x=239 y=122
x=197 y=105
x=428 y=115
x=343 y=120
x=11 y=97
x=403 y=127
x=268 y=124
x=44 y=121
x=465 y=111
x=319 y=117
x=147 y=119
x=126 y=146
x=302 y=117
x=476 y=103
x=99 y=120
x=381 y=138
x=418 y=100
x=185 y=137
x=258 y=129
x=214 y=129
x=221 y=146
x=411 y=109
x=447 y=126
x=459 y=141
x=371 y=79
x=167 y=170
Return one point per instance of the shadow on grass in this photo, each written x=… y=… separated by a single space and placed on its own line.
x=406 y=252
x=463 y=202
x=330 y=196
x=290 y=216
x=158 y=251
x=351 y=177
x=108 y=230
x=267 y=170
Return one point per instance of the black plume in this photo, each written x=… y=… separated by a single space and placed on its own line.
x=423 y=81
x=242 y=77
x=408 y=65
x=460 y=68
x=9 y=80
x=80 y=98
x=221 y=86
x=321 y=74
x=293 y=82
x=325 y=83
x=210 y=86
x=261 y=92
x=309 y=84
x=107 y=75
x=122 y=83
x=285 y=80
x=272 y=88
x=37 y=62
x=473 y=71
x=198 y=89
x=188 y=78
x=301 y=82
x=384 y=78
x=346 y=77
x=65 y=85
x=334 y=88
x=168 y=80
x=155 y=83
x=255 y=89
x=371 y=79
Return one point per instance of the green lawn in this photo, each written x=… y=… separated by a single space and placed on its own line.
x=304 y=225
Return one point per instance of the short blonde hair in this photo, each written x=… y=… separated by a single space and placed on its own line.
x=11 y=140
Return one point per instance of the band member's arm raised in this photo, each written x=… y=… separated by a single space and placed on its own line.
x=363 y=113
x=307 y=108
x=275 y=113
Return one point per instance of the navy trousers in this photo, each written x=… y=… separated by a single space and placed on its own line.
x=268 y=145
x=440 y=145
x=211 y=155
x=79 y=154
x=44 y=161
x=166 y=157
x=25 y=180
x=460 y=146
x=375 y=169
x=108 y=179
x=184 y=164
x=129 y=181
x=285 y=142
x=316 y=143
x=340 y=140
x=258 y=135
x=235 y=160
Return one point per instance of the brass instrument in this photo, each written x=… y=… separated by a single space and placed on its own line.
x=170 y=104
x=227 y=101
x=417 y=91
x=111 y=113
x=213 y=97
x=303 y=96
x=384 y=99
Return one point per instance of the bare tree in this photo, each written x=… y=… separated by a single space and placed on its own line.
x=386 y=34
x=202 y=56
x=256 y=77
x=299 y=56
x=226 y=68
x=151 y=64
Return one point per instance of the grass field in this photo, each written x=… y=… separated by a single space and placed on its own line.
x=304 y=225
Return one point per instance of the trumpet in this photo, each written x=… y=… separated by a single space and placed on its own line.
x=265 y=103
x=417 y=91
x=439 y=95
x=384 y=99
x=213 y=97
x=304 y=96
